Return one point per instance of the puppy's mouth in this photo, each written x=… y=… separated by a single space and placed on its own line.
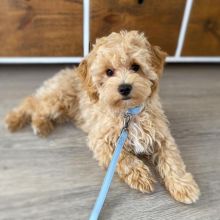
x=126 y=98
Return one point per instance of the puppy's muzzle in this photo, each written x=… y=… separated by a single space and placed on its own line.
x=125 y=89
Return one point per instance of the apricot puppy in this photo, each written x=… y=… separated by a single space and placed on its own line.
x=121 y=71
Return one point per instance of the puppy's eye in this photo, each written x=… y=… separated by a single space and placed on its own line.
x=109 y=72
x=135 y=67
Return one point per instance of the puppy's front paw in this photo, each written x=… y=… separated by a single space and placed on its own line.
x=141 y=179
x=183 y=189
x=142 y=183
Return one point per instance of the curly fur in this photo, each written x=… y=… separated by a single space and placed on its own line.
x=88 y=97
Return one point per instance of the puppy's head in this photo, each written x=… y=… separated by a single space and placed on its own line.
x=122 y=70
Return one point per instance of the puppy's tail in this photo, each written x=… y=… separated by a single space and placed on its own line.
x=20 y=116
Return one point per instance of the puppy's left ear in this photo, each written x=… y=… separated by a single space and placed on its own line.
x=158 y=59
x=87 y=82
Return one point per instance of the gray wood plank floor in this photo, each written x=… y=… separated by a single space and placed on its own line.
x=57 y=178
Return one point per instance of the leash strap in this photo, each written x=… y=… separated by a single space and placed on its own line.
x=111 y=169
x=108 y=177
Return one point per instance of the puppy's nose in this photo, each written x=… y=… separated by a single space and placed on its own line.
x=125 y=89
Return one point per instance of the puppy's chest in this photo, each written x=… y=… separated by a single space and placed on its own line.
x=141 y=137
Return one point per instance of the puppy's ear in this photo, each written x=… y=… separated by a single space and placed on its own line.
x=158 y=59
x=87 y=82
x=83 y=70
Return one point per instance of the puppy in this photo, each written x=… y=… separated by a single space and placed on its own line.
x=121 y=71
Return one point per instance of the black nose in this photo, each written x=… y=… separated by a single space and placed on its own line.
x=125 y=89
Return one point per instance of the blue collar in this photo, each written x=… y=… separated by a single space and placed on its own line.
x=129 y=113
x=135 y=110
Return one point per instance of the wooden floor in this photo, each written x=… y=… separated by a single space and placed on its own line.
x=57 y=178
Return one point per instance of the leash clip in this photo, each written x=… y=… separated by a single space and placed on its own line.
x=127 y=119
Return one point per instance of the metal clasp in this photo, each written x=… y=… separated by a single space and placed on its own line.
x=127 y=119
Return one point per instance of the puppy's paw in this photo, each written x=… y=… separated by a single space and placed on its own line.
x=183 y=189
x=141 y=179
x=144 y=184
x=42 y=126
x=15 y=120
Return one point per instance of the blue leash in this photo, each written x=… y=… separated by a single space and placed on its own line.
x=111 y=169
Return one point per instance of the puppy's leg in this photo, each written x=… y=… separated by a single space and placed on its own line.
x=54 y=102
x=34 y=111
x=171 y=168
x=129 y=168
x=44 y=117
x=135 y=173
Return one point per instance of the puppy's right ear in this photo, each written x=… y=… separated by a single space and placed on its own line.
x=87 y=82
